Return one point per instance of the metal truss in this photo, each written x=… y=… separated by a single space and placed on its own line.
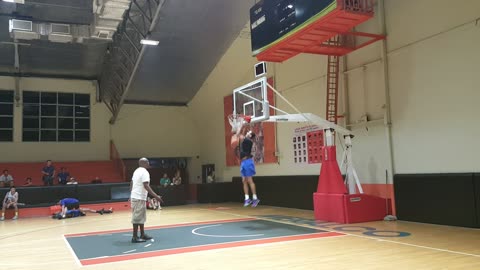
x=126 y=52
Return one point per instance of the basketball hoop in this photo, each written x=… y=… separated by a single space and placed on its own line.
x=237 y=121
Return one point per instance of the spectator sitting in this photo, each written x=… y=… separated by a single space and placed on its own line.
x=6 y=180
x=97 y=180
x=72 y=181
x=165 y=181
x=11 y=200
x=48 y=174
x=177 y=179
x=63 y=176
x=28 y=182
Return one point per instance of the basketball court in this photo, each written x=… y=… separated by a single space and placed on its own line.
x=361 y=113
x=228 y=235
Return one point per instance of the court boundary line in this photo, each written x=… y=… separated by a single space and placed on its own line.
x=361 y=236
x=75 y=257
x=439 y=225
x=194 y=231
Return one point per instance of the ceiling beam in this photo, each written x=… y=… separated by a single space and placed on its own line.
x=132 y=42
x=156 y=103
x=47 y=76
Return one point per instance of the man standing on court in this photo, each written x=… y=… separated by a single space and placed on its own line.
x=247 y=168
x=140 y=188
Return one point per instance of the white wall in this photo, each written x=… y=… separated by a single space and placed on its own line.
x=433 y=58
x=140 y=130
x=435 y=82
x=96 y=149
x=158 y=131
x=206 y=109
x=155 y=131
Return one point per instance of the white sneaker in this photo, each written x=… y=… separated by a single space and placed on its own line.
x=15 y=217
x=2 y=218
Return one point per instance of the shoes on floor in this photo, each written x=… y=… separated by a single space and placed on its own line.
x=146 y=237
x=15 y=217
x=138 y=240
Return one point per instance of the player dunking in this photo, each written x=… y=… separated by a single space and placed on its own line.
x=247 y=168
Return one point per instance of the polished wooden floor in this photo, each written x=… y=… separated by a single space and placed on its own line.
x=38 y=243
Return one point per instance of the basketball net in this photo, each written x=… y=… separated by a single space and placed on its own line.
x=237 y=121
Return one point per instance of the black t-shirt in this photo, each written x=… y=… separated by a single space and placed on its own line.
x=246 y=148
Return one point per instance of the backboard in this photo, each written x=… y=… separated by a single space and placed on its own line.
x=251 y=99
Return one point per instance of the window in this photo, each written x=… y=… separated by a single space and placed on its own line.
x=56 y=117
x=6 y=116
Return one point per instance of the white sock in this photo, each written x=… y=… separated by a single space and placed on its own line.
x=247 y=197
x=255 y=197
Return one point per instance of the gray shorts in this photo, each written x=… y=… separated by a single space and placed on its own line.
x=139 y=211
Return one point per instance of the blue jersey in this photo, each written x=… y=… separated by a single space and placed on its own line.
x=69 y=201
x=49 y=170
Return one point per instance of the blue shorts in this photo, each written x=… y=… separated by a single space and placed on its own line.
x=247 y=168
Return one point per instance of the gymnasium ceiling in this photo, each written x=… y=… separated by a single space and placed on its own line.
x=48 y=59
x=193 y=35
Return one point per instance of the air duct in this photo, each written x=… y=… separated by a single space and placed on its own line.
x=108 y=15
x=54 y=32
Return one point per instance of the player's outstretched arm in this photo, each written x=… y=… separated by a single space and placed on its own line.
x=151 y=192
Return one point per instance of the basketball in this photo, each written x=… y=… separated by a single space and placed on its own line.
x=55 y=209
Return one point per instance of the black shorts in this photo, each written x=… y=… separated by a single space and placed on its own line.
x=72 y=206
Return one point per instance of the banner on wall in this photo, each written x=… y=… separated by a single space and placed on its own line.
x=307 y=145
x=263 y=149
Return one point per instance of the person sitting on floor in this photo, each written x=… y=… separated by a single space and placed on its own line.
x=153 y=204
x=81 y=212
x=68 y=204
x=10 y=201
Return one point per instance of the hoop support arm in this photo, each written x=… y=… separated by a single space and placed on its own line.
x=309 y=117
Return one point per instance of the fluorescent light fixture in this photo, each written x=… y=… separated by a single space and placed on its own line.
x=149 y=42
x=290 y=6
x=15 y=1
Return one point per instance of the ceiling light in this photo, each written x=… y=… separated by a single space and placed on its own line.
x=290 y=6
x=15 y=1
x=149 y=42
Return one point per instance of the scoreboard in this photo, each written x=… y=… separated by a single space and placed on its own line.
x=271 y=20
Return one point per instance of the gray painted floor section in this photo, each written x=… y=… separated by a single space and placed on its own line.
x=114 y=244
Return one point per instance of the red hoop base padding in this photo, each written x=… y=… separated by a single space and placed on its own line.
x=348 y=208
x=330 y=179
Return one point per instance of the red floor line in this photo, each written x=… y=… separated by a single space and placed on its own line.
x=143 y=255
x=161 y=227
